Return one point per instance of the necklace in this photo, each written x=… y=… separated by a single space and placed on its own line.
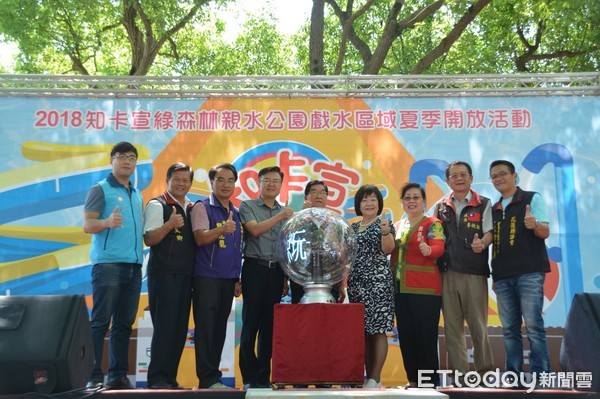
x=368 y=223
x=363 y=226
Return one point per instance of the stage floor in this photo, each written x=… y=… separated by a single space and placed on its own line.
x=309 y=393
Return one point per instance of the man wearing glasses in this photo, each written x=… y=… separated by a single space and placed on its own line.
x=467 y=220
x=263 y=281
x=218 y=234
x=315 y=195
x=519 y=265
x=113 y=215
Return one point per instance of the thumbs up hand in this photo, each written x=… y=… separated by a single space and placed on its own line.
x=530 y=220
x=384 y=224
x=477 y=244
x=176 y=220
x=115 y=219
x=423 y=247
x=287 y=212
x=229 y=224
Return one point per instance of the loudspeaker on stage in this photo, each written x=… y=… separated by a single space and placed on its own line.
x=45 y=343
x=580 y=349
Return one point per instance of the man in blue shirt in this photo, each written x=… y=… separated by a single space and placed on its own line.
x=113 y=214
x=519 y=265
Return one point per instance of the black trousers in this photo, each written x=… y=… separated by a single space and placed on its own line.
x=212 y=299
x=417 y=318
x=169 y=300
x=261 y=289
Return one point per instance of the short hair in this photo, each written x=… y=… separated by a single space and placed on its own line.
x=123 y=147
x=410 y=185
x=457 y=163
x=270 y=169
x=365 y=191
x=511 y=167
x=315 y=183
x=179 y=166
x=213 y=171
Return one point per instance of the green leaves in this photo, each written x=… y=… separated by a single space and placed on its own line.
x=190 y=37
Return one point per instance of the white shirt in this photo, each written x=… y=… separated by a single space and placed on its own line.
x=153 y=214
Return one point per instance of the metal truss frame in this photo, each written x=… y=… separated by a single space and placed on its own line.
x=391 y=86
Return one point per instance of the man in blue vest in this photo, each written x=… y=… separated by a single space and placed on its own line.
x=168 y=233
x=467 y=220
x=113 y=214
x=519 y=265
x=218 y=234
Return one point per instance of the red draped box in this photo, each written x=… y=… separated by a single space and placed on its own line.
x=318 y=343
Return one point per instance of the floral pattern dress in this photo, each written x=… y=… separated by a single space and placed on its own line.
x=370 y=281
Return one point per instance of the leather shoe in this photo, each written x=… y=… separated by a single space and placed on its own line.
x=119 y=383
x=95 y=383
x=266 y=385
x=254 y=385
x=161 y=385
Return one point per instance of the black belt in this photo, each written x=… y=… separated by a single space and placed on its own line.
x=271 y=264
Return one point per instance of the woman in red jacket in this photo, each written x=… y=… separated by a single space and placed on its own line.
x=419 y=242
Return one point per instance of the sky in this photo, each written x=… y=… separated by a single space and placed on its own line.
x=291 y=14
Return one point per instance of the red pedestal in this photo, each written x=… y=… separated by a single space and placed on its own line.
x=318 y=343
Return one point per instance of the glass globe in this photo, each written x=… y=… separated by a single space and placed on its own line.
x=316 y=249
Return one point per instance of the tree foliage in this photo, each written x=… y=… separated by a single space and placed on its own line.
x=187 y=37
x=479 y=36
x=111 y=37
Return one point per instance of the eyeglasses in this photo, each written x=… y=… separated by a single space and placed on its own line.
x=122 y=157
x=409 y=198
x=499 y=175
x=222 y=180
x=457 y=175
x=269 y=181
x=318 y=193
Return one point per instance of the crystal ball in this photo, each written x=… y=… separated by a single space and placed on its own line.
x=316 y=246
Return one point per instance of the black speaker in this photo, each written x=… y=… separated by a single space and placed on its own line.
x=580 y=348
x=45 y=343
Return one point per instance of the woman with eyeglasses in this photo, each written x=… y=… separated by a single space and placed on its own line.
x=419 y=242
